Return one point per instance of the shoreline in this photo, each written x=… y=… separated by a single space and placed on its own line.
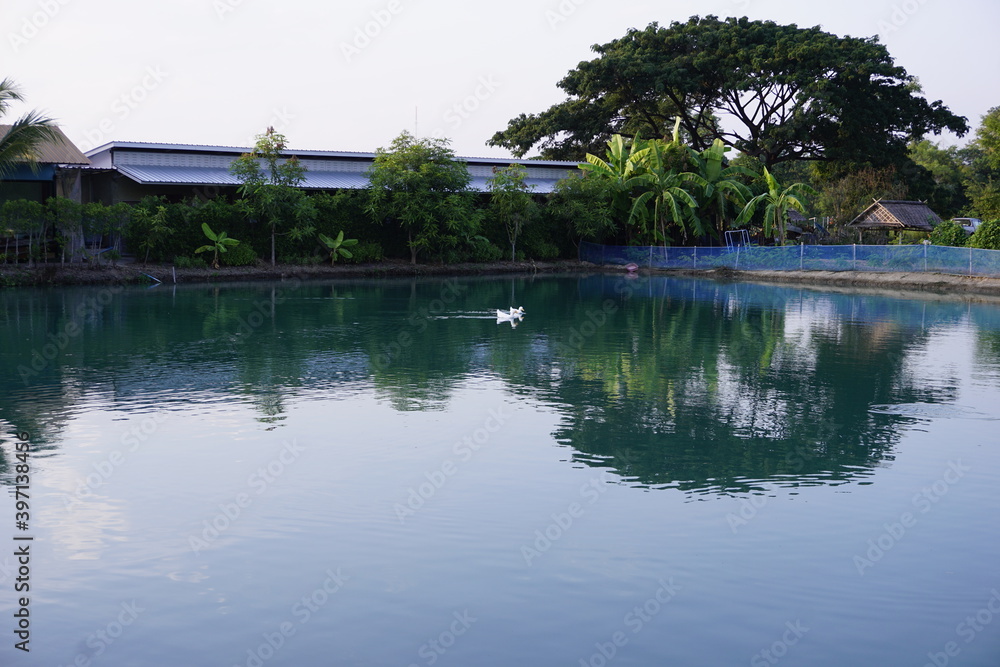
x=52 y=275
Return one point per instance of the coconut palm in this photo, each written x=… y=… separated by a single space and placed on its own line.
x=24 y=137
x=778 y=200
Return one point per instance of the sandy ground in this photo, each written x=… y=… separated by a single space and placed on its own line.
x=81 y=274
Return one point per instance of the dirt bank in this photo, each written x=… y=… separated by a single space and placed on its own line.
x=937 y=283
x=79 y=274
x=82 y=274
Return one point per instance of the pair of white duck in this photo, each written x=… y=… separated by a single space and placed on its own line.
x=512 y=315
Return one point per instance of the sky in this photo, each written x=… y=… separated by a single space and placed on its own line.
x=350 y=76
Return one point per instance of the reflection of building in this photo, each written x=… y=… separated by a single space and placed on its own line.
x=57 y=172
x=128 y=171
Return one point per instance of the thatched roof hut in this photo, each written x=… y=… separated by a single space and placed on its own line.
x=896 y=215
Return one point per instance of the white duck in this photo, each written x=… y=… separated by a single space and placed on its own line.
x=511 y=315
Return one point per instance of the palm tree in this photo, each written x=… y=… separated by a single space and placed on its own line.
x=778 y=201
x=24 y=137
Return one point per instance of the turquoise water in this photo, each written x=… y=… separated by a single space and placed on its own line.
x=642 y=472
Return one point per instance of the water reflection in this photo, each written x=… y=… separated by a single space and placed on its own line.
x=681 y=383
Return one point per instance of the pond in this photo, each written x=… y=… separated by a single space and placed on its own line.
x=647 y=471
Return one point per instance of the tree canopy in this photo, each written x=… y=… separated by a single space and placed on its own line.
x=421 y=186
x=774 y=92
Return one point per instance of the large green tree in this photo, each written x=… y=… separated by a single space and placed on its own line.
x=419 y=185
x=270 y=187
x=20 y=143
x=774 y=92
x=982 y=157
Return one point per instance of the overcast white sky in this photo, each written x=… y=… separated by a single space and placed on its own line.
x=220 y=71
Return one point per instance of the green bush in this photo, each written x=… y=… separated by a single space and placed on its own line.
x=190 y=263
x=366 y=252
x=987 y=236
x=241 y=255
x=484 y=251
x=949 y=233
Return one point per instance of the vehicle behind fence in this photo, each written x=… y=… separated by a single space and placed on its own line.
x=899 y=258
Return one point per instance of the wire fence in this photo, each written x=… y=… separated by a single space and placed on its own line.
x=886 y=258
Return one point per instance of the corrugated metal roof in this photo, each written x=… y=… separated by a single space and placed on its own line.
x=155 y=175
x=314 y=180
x=239 y=150
x=62 y=151
x=160 y=175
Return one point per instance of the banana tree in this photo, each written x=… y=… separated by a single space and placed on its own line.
x=219 y=243
x=722 y=189
x=670 y=193
x=778 y=201
x=338 y=246
x=622 y=169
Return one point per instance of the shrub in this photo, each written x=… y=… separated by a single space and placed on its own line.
x=949 y=233
x=190 y=263
x=241 y=255
x=367 y=252
x=987 y=236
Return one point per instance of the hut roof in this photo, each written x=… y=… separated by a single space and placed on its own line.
x=59 y=151
x=895 y=214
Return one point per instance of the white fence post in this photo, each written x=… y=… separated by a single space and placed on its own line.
x=854 y=256
x=650 y=256
x=970 y=261
x=695 y=257
x=802 y=250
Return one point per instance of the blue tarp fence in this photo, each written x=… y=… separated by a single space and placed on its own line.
x=888 y=258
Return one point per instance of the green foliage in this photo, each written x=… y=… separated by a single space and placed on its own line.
x=792 y=93
x=777 y=201
x=152 y=228
x=21 y=217
x=949 y=233
x=946 y=170
x=584 y=206
x=240 y=255
x=419 y=186
x=723 y=188
x=511 y=202
x=338 y=246
x=987 y=236
x=988 y=137
x=843 y=198
x=190 y=263
x=367 y=252
x=220 y=243
x=269 y=187
x=650 y=181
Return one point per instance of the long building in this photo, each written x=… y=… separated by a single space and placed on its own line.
x=123 y=171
